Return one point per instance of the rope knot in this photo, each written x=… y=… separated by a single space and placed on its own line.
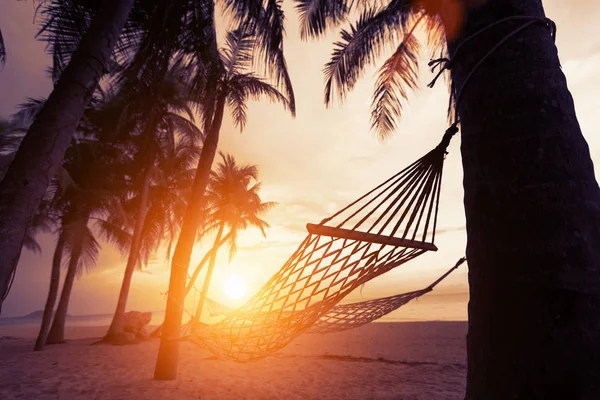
x=450 y=132
x=443 y=63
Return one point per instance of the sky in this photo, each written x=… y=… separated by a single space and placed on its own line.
x=311 y=166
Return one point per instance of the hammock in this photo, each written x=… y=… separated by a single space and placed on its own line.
x=348 y=316
x=390 y=225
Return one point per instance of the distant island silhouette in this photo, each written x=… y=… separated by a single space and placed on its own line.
x=36 y=314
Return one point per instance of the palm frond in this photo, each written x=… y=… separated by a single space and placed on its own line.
x=361 y=45
x=318 y=16
x=115 y=234
x=255 y=88
x=436 y=36
x=90 y=249
x=187 y=130
x=63 y=24
x=398 y=74
x=237 y=54
x=269 y=31
x=27 y=111
x=81 y=243
x=242 y=11
x=236 y=101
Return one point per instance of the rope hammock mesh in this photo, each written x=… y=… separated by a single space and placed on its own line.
x=349 y=316
x=390 y=225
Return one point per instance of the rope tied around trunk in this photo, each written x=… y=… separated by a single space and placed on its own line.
x=445 y=64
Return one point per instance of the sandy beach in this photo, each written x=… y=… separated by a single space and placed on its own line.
x=404 y=361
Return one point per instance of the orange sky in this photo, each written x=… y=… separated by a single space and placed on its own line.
x=311 y=165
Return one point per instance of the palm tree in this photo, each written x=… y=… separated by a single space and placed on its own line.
x=94 y=191
x=226 y=83
x=160 y=132
x=83 y=248
x=235 y=204
x=530 y=192
x=44 y=146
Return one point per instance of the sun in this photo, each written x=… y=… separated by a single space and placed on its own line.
x=235 y=288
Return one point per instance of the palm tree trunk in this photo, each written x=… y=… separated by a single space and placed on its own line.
x=118 y=321
x=57 y=331
x=207 y=279
x=52 y=292
x=217 y=245
x=533 y=217
x=194 y=277
x=44 y=146
x=168 y=352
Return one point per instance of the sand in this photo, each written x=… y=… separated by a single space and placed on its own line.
x=404 y=361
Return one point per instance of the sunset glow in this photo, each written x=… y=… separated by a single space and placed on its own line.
x=235 y=288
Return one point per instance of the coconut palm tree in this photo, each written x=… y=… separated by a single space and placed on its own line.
x=44 y=146
x=235 y=205
x=227 y=84
x=164 y=137
x=95 y=190
x=530 y=192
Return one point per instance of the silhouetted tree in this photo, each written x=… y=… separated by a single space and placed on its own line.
x=235 y=204
x=226 y=82
x=531 y=197
x=44 y=146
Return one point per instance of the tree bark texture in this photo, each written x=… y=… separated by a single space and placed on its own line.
x=532 y=206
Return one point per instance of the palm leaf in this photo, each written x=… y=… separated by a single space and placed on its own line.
x=115 y=234
x=237 y=54
x=236 y=101
x=398 y=74
x=317 y=16
x=80 y=239
x=27 y=111
x=255 y=88
x=269 y=31
x=362 y=44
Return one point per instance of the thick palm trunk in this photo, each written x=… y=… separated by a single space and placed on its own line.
x=209 y=272
x=52 y=293
x=57 y=331
x=168 y=352
x=533 y=218
x=44 y=146
x=117 y=324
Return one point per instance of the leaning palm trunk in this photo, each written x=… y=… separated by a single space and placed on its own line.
x=168 y=352
x=44 y=146
x=207 y=279
x=533 y=217
x=196 y=273
x=118 y=322
x=57 y=331
x=52 y=293
x=217 y=245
